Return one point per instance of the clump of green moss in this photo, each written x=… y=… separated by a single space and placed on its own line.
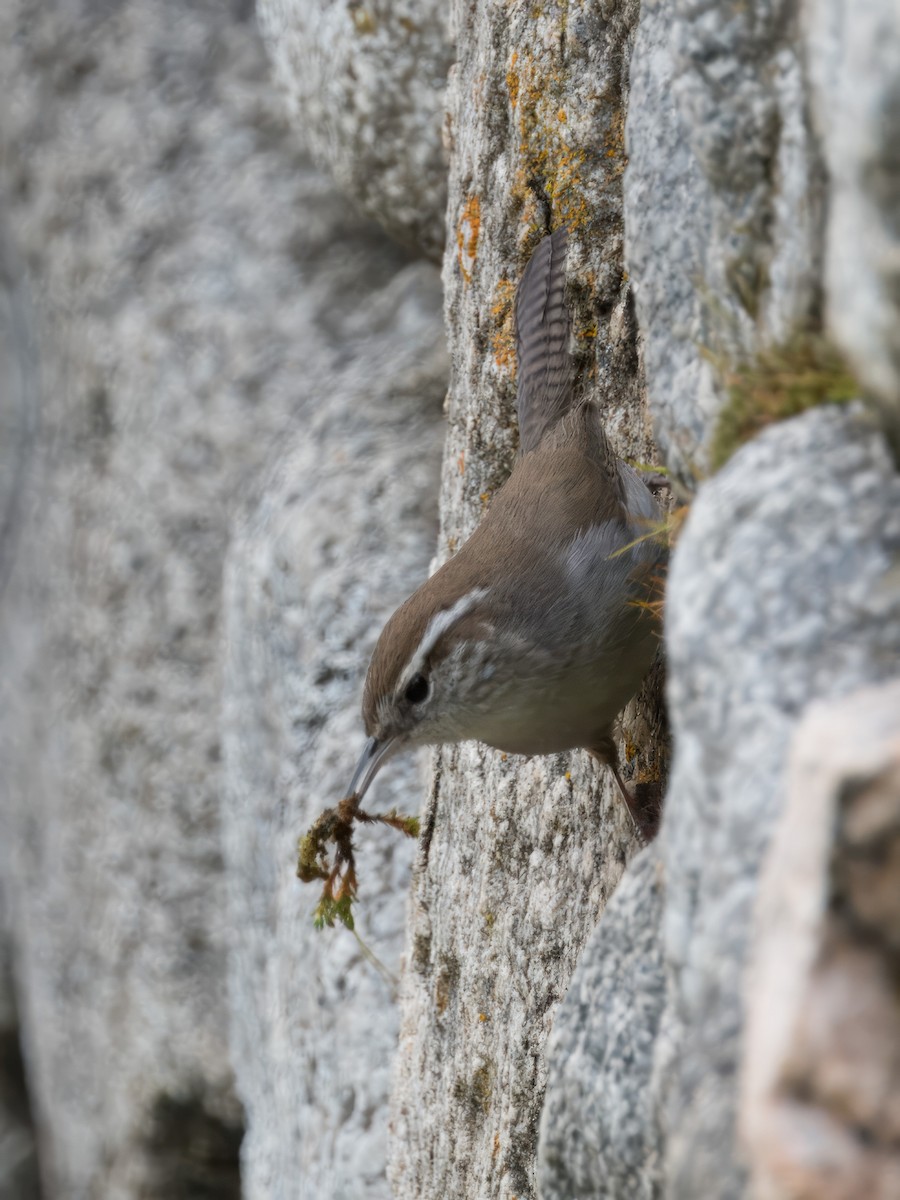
x=783 y=381
x=335 y=825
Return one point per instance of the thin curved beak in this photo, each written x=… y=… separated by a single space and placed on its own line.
x=375 y=754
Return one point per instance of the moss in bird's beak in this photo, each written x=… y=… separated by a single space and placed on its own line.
x=335 y=827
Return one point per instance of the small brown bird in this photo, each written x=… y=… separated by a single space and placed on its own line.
x=533 y=637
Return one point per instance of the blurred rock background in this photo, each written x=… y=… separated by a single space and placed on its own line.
x=224 y=357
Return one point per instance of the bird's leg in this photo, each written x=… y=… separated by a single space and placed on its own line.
x=646 y=824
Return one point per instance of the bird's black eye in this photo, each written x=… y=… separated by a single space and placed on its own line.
x=417 y=689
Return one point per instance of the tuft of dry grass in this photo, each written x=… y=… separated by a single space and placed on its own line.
x=782 y=382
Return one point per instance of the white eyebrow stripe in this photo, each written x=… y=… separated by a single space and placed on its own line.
x=435 y=630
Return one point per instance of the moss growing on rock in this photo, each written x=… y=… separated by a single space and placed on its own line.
x=783 y=381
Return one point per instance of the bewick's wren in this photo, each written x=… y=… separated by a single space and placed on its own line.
x=534 y=636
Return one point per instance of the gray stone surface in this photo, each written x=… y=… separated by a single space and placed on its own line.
x=206 y=317
x=598 y=1134
x=196 y=286
x=854 y=67
x=782 y=589
x=365 y=81
x=343 y=531
x=724 y=203
x=518 y=857
x=18 y=400
x=18 y=411
x=820 y=1094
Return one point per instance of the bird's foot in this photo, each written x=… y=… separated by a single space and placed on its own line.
x=644 y=803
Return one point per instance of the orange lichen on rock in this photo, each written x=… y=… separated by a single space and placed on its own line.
x=512 y=80
x=544 y=154
x=467 y=233
x=503 y=339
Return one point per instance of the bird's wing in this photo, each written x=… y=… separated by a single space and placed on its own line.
x=546 y=374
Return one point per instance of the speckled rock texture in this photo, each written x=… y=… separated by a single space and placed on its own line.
x=853 y=51
x=782 y=591
x=820 y=1108
x=309 y=583
x=365 y=80
x=197 y=289
x=724 y=204
x=517 y=858
x=219 y=371
x=18 y=412
x=598 y=1134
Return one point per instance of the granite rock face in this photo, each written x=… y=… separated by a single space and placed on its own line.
x=820 y=1106
x=782 y=591
x=365 y=83
x=518 y=857
x=853 y=53
x=761 y=203
x=196 y=290
x=309 y=584
x=781 y=594
x=724 y=203
x=18 y=413
x=719 y=228
x=602 y=1140
x=212 y=369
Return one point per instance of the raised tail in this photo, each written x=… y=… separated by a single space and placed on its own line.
x=546 y=373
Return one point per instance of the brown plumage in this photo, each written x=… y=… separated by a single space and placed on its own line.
x=532 y=637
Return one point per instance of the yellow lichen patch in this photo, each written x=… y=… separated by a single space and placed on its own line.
x=512 y=80
x=467 y=233
x=544 y=155
x=503 y=339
